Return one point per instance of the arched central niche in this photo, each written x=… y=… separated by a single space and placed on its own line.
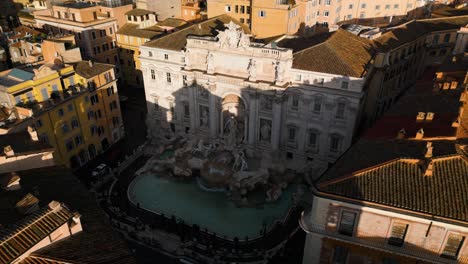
x=234 y=119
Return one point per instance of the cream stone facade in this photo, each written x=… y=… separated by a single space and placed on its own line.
x=265 y=18
x=425 y=238
x=330 y=12
x=94 y=30
x=163 y=8
x=299 y=118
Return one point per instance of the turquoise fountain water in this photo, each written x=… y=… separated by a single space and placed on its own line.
x=211 y=210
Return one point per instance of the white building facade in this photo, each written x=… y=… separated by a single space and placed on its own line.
x=305 y=119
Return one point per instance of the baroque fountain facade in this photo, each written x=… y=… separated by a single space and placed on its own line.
x=210 y=128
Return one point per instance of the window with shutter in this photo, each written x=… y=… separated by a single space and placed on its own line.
x=397 y=237
x=347 y=223
x=452 y=246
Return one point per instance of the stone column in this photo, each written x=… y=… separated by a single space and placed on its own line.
x=276 y=126
x=213 y=111
x=302 y=135
x=192 y=90
x=252 y=128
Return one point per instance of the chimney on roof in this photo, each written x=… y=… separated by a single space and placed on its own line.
x=428 y=171
x=421 y=116
x=401 y=134
x=454 y=59
x=420 y=134
x=90 y=62
x=33 y=134
x=429 y=116
x=429 y=149
x=54 y=205
x=76 y=217
x=8 y=150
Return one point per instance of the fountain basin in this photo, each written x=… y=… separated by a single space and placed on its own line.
x=211 y=210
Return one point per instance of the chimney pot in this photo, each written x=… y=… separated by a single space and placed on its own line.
x=401 y=134
x=8 y=150
x=429 y=149
x=33 y=134
x=420 y=134
x=428 y=171
x=90 y=62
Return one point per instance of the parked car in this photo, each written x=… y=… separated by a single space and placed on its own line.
x=100 y=170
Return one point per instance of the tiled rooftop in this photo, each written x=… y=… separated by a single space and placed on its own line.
x=138 y=12
x=406 y=184
x=98 y=243
x=20 y=238
x=342 y=53
x=21 y=143
x=86 y=70
x=133 y=30
x=178 y=40
x=414 y=29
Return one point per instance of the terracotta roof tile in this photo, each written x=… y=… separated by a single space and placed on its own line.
x=414 y=29
x=84 y=69
x=98 y=243
x=405 y=184
x=21 y=143
x=178 y=40
x=172 y=22
x=342 y=53
x=138 y=12
x=130 y=29
x=20 y=238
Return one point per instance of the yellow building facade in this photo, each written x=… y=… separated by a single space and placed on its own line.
x=23 y=88
x=140 y=28
x=266 y=18
x=75 y=109
x=86 y=120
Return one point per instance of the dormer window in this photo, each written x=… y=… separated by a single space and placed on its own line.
x=421 y=116
x=452 y=246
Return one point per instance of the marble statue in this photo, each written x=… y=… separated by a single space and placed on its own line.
x=210 y=62
x=279 y=72
x=265 y=130
x=266 y=102
x=231 y=130
x=204 y=118
x=240 y=164
x=244 y=40
x=201 y=148
x=252 y=69
x=233 y=37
